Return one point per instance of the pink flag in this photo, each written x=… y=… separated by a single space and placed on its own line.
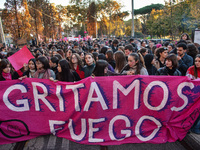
x=19 y=58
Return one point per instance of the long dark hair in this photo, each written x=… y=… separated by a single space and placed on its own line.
x=34 y=61
x=44 y=61
x=66 y=73
x=100 y=67
x=139 y=64
x=109 y=53
x=3 y=65
x=195 y=68
x=120 y=60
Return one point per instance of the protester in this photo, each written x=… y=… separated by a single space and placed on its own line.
x=121 y=48
x=120 y=61
x=161 y=54
x=129 y=49
x=101 y=68
x=171 y=67
x=134 y=66
x=95 y=56
x=185 y=37
x=115 y=46
x=110 y=58
x=5 y=70
x=77 y=65
x=184 y=60
x=103 y=57
x=192 y=51
x=170 y=47
x=43 y=69
x=89 y=67
x=143 y=44
x=193 y=72
x=68 y=54
x=31 y=68
x=149 y=63
x=53 y=62
x=143 y=51
x=65 y=73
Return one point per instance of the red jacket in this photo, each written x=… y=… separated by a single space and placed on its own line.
x=190 y=73
x=80 y=72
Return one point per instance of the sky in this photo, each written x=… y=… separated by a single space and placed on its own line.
x=127 y=3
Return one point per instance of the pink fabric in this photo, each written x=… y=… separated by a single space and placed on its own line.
x=7 y=76
x=19 y=58
x=101 y=110
x=158 y=45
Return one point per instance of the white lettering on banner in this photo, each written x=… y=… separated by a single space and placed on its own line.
x=165 y=93
x=61 y=101
x=180 y=94
x=55 y=122
x=38 y=96
x=23 y=102
x=99 y=98
x=75 y=91
x=92 y=130
x=83 y=130
x=111 y=126
x=151 y=136
x=116 y=85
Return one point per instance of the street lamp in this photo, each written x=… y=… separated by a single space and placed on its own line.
x=1 y=29
x=133 y=32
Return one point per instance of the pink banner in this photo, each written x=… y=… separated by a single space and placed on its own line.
x=19 y=58
x=100 y=110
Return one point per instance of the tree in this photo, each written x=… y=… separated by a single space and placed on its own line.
x=91 y=19
x=36 y=14
x=12 y=17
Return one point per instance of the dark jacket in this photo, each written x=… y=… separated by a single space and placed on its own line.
x=151 y=70
x=112 y=63
x=76 y=76
x=185 y=63
x=114 y=49
x=88 y=70
x=164 y=71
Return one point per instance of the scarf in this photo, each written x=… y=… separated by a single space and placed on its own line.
x=7 y=76
x=31 y=73
x=171 y=71
x=46 y=74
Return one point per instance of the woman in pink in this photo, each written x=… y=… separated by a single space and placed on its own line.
x=194 y=71
x=5 y=70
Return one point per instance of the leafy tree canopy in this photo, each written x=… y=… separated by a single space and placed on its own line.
x=148 y=9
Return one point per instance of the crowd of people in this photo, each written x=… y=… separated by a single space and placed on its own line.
x=72 y=61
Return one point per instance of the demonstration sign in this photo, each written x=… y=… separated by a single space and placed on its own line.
x=100 y=110
x=19 y=58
